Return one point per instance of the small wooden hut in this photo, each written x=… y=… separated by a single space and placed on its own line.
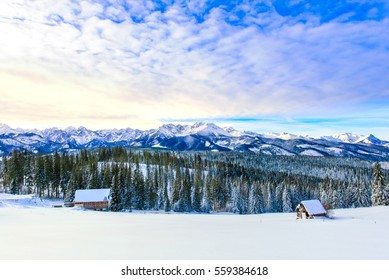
x=96 y=199
x=308 y=209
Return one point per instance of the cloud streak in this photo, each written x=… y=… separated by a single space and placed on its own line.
x=196 y=59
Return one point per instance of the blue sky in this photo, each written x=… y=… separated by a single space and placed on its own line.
x=304 y=67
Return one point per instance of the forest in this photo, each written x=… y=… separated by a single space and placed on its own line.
x=203 y=182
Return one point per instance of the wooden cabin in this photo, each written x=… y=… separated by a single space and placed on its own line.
x=308 y=209
x=96 y=199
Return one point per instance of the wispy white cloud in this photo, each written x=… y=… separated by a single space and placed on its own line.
x=192 y=59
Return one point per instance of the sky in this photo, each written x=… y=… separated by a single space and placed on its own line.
x=304 y=67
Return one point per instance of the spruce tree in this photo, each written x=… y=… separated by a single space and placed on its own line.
x=56 y=174
x=93 y=181
x=235 y=199
x=116 y=201
x=154 y=201
x=197 y=194
x=286 y=201
x=243 y=198
x=39 y=176
x=176 y=186
x=73 y=184
x=128 y=190
x=122 y=183
x=139 y=189
x=167 y=200
x=185 y=202
x=207 y=201
x=49 y=174
x=107 y=176
x=65 y=173
x=13 y=187
x=378 y=192
x=255 y=200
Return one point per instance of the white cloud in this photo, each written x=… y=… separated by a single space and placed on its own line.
x=170 y=65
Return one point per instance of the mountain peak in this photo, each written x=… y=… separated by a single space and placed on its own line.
x=369 y=139
x=207 y=129
x=198 y=136
x=5 y=129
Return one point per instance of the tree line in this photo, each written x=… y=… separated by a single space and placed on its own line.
x=197 y=181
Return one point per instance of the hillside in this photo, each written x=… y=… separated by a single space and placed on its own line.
x=201 y=182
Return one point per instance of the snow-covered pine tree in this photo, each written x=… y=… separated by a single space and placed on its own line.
x=107 y=176
x=73 y=185
x=154 y=201
x=116 y=201
x=378 y=192
x=139 y=189
x=235 y=199
x=122 y=184
x=206 y=203
x=185 y=202
x=176 y=186
x=93 y=180
x=66 y=164
x=49 y=175
x=270 y=198
x=197 y=193
x=255 y=199
x=128 y=190
x=56 y=174
x=286 y=201
x=39 y=177
x=167 y=200
x=243 y=198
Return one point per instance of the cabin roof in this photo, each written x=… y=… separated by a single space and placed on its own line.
x=313 y=207
x=93 y=195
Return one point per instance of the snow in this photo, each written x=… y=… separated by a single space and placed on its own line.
x=199 y=128
x=312 y=153
x=344 y=137
x=159 y=146
x=233 y=132
x=313 y=207
x=270 y=150
x=336 y=151
x=63 y=233
x=255 y=150
x=305 y=146
x=205 y=129
x=369 y=139
x=283 y=135
x=385 y=164
x=9 y=200
x=92 y=195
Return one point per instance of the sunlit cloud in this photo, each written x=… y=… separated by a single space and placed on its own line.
x=134 y=63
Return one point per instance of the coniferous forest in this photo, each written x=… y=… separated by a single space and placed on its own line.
x=203 y=182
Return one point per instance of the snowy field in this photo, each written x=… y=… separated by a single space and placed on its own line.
x=32 y=229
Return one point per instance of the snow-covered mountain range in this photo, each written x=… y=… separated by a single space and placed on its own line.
x=199 y=137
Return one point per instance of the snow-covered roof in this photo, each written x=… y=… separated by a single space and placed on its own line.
x=93 y=195
x=313 y=207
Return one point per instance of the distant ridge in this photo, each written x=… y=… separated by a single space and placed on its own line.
x=197 y=137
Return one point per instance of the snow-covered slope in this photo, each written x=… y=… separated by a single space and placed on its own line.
x=370 y=139
x=54 y=233
x=23 y=201
x=354 y=138
x=344 y=137
x=199 y=137
x=283 y=136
